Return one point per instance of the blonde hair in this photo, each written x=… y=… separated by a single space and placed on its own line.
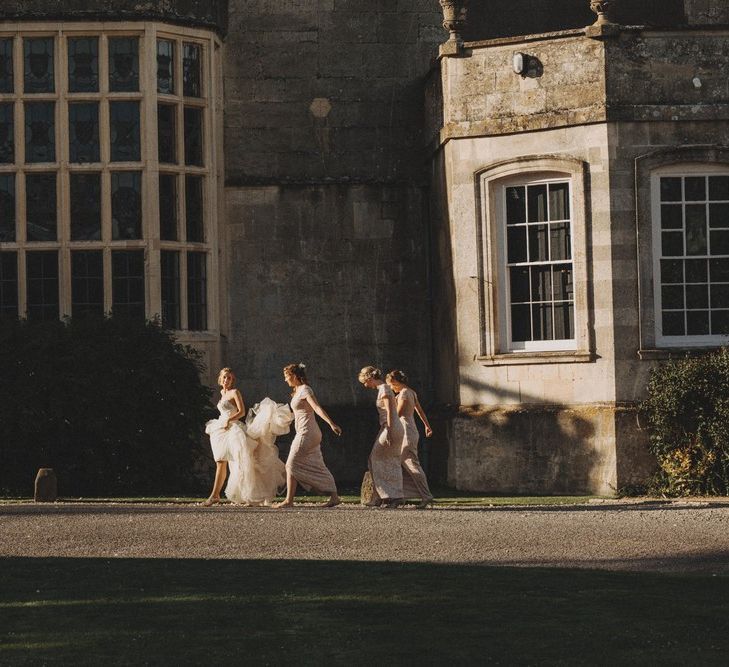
x=222 y=372
x=397 y=376
x=370 y=373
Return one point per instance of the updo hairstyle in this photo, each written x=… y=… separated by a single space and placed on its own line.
x=397 y=376
x=370 y=373
x=298 y=371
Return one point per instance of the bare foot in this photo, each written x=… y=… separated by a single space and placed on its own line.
x=332 y=502
x=210 y=502
x=283 y=505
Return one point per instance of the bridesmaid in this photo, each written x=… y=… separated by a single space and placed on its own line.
x=414 y=482
x=305 y=464
x=384 y=461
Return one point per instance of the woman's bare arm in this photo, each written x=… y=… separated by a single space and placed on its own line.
x=315 y=405
x=240 y=408
x=423 y=418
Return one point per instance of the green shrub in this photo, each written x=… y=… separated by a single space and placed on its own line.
x=687 y=412
x=116 y=407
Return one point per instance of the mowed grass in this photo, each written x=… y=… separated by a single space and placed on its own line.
x=160 y=612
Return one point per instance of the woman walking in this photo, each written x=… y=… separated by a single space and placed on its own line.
x=415 y=482
x=305 y=464
x=384 y=461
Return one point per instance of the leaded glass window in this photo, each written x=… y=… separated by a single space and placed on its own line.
x=192 y=70
x=42 y=284
x=7 y=133
x=7 y=208
x=165 y=67
x=83 y=64
x=125 y=129
x=193 y=136
x=85 y=206
x=168 y=207
x=39 y=72
x=87 y=283
x=197 y=319
x=40 y=132
x=166 y=133
x=8 y=284
x=40 y=207
x=83 y=125
x=194 y=209
x=123 y=64
x=170 y=289
x=126 y=205
x=6 y=66
x=127 y=279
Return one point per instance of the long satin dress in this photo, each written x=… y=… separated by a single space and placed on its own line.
x=305 y=461
x=415 y=483
x=384 y=462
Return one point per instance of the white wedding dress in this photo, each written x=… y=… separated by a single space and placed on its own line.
x=256 y=472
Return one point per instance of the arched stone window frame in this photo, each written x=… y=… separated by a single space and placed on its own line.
x=489 y=184
x=648 y=168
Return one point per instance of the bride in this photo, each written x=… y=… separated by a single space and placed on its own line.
x=256 y=472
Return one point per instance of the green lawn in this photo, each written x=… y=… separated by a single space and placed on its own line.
x=94 y=611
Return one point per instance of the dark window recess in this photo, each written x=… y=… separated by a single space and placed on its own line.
x=166 y=133
x=40 y=132
x=83 y=64
x=191 y=70
x=83 y=120
x=168 y=207
x=123 y=64
x=126 y=205
x=7 y=208
x=87 y=283
x=194 y=221
x=40 y=207
x=7 y=131
x=127 y=283
x=165 y=67
x=42 y=284
x=125 y=129
x=38 y=75
x=8 y=285
x=6 y=66
x=193 y=136
x=85 y=207
x=197 y=304
x=170 y=289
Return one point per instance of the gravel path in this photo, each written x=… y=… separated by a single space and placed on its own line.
x=669 y=538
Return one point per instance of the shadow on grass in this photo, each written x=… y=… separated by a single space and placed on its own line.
x=96 y=611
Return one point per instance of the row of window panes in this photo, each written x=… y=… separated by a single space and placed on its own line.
x=87 y=285
x=694 y=188
x=542 y=321
x=695 y=322
x=83 y=66
x=537 y=203
x=85 y=206
x=84 y=141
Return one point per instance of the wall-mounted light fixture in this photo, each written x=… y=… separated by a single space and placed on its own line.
x=526 y=65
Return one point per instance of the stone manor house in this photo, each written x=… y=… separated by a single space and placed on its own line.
x=526 y=211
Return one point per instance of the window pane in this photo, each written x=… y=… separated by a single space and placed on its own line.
x=123 y=64
x=541 y=283
x=521 y=328
x=697 y=296
x=564 y=321
x=7 y=132
x=40 y=207
x=719 y=188
x=127 y=281
x=696 y=271
x=562 y=282
x=516 y=244
x=194 y=221
x=165 y=67
x=193 y=136
x=168 y=207
x=87 y=283
x=671 y=271
x=126 y=205
x=83 y=120
x=672 y=297
x=42 y=284
x=720 y=296
x=8 y=284
x=697 y=323
x=519 y=284
x=671 y=189
x=197 y=317
x=537 y=203
x=719 y=270
x=720 y=322
x=673 y=323
x=559 y=201
x=40 y=132
x=542 y=322
x=720 y=242
x=695 y=188
x=671 y=216
x=7 y=208
x=515 y=205
x=124 y=125
x=672 y=244
x=695 y=230
x=85 y=207
x=560 y=242
x=6 y=66
x=538 y=243
x=83 y=64
x=719 y=215
x=166 y=133
x=38 y=76
x=191 y=70
x=170 y=289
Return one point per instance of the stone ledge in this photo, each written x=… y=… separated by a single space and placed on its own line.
x=533 y=358
x=665 y=354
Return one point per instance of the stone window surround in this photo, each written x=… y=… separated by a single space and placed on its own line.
x=148 y=33
x=488 y=181
x=689 y=158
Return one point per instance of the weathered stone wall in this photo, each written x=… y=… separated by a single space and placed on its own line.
x=709 y=12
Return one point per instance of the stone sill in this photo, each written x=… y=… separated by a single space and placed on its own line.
x=667 y=353
x=524 y=39
x=534 y=358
